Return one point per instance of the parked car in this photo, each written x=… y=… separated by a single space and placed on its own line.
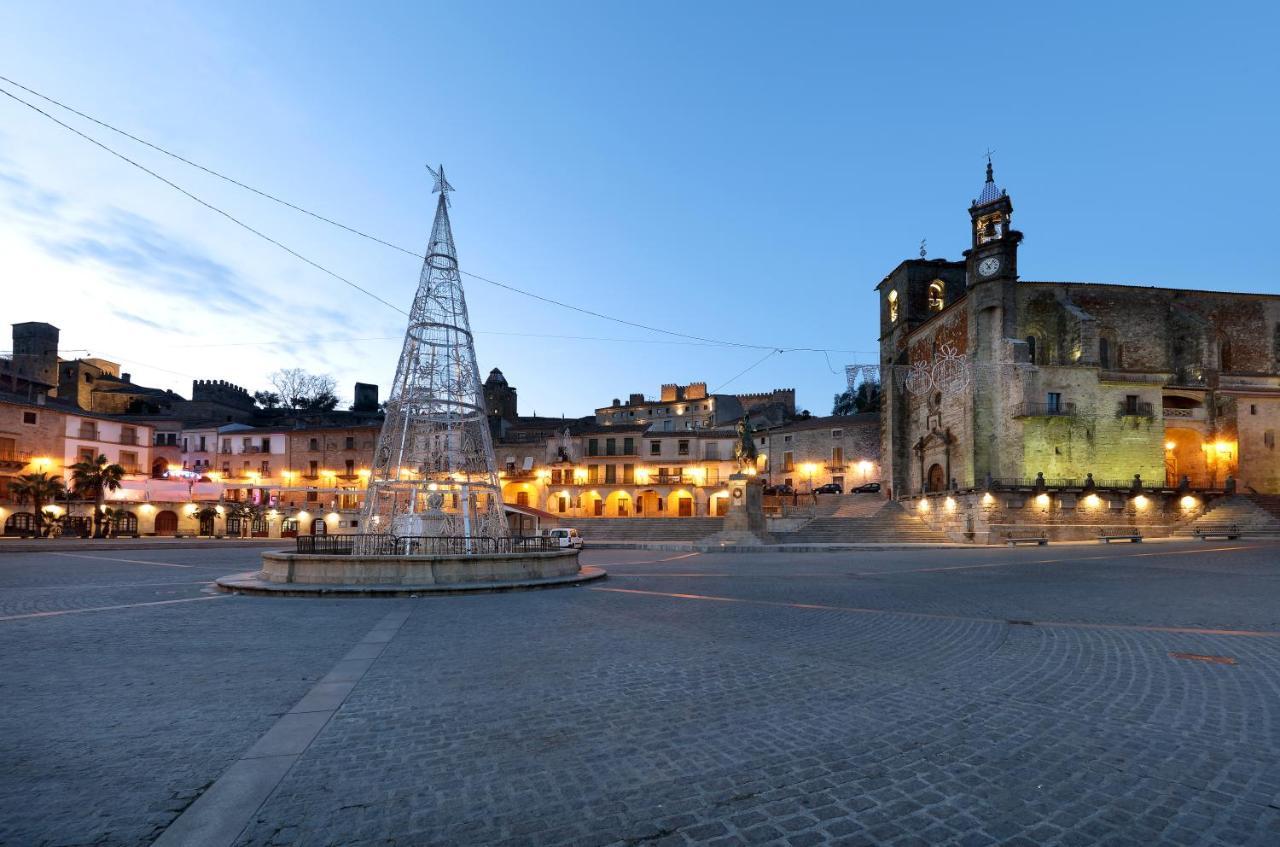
x=866 y=488
x=829 y=488
x=566 y=536
x=780 y=488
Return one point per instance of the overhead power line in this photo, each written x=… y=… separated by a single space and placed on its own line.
x=202 y=202
x=350 y=229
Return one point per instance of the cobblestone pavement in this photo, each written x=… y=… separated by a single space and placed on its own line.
x=1027 y=696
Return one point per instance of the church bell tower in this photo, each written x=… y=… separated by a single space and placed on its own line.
x=991 y=271
x=993 y=253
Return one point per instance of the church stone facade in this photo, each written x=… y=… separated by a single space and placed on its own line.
x=992 y=379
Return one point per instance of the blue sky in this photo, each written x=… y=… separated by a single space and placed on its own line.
x=739 y=171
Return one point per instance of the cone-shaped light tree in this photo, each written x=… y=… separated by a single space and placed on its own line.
x=434 y=471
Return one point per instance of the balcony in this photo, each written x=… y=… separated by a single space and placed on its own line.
x=1045 y=410
x=14 y=459
x=1140 y=409
x=1196 y=413
x=129 y=438
x=88 y=432
x=133 y=469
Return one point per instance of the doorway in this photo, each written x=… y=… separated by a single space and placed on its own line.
x=937 y=480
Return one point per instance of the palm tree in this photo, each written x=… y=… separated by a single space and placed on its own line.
x=94 y=478
x=39 y=488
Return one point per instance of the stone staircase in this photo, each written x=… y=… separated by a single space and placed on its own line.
x=646 y=529
x=1256 y=514
x=865 y=519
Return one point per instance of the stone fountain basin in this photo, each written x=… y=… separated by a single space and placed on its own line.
x=314 y=573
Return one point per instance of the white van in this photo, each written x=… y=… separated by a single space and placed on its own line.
x=566 y=536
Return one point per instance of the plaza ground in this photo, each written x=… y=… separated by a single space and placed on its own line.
x=1071 y=694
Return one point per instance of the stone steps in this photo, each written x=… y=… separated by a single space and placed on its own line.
x=873 y=520
x=646 y=529
x=1255 y=513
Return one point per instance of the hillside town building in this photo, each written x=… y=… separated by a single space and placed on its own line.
x=191 y=463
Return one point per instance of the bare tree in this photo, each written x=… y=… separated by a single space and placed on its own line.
x=298 y=389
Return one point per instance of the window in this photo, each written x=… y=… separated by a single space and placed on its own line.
x=666 y=426
x=682 y=447
x=713 y=451
x=246 y=444
x=837 y=433
x=129 y=460
x=351 y=467
x=628 y=446
x=786 y=439
x=593 y=474
x=1053 y=402
x=266 y=444
x=1253 y=408
x=226 y=445
x=86 y=454
x=593 y=446
x=1131 y=404
x=610 y=474
x=314 y=444
x=611 y=446
x=937 y=296
x=837 y=456
x=655 y=448
x=1269 y=438
x=788 y=461
x=313 y=496
x=1104 y=352
x=202 y=446
x=1031 y=348
x=313 y=468
x=628 y=474
x=226 y=469
x=893 y=307
x=265 y=469
x=351 y=443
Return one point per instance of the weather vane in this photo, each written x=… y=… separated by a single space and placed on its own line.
x=988 y=155
x=923 y=251
x=442 y=185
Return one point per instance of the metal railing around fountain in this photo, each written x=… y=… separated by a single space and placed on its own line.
x=379 y=544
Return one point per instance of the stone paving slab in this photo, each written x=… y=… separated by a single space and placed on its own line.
x=1071 y=697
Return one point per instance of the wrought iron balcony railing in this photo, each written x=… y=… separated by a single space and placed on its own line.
x=1140 y=409
x=1045 y=410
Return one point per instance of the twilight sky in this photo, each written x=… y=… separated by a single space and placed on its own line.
x=740 y=171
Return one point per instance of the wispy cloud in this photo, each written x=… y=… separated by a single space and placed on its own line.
x=28 y=199
x=139 y=320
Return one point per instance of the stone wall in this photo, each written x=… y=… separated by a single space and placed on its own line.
x=982 y=518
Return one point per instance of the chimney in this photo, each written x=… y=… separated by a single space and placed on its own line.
x=125 y=377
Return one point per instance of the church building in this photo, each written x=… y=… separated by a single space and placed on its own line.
x=992 y=379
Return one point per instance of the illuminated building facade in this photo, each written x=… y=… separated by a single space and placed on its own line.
x=989 y=378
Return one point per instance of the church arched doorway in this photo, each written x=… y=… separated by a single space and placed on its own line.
x=937 y=479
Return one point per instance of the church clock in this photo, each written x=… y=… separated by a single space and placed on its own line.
x=993 y=253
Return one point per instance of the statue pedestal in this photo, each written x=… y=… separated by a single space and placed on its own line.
x=744 y=523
